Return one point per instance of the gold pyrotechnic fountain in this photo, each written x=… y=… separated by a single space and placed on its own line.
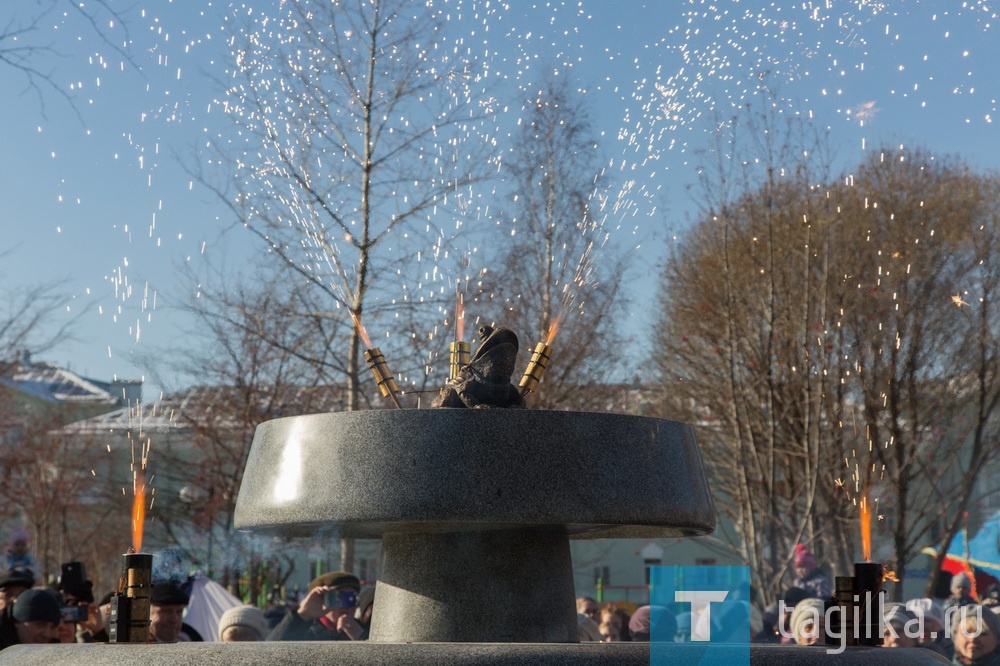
x=459 y=351
x=539 y=361
x=380 y=369
x=383 y=376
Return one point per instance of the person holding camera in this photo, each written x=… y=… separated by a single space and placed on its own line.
x=78 y=608
x=326 y=613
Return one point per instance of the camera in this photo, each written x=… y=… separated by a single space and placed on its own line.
x=340 y=599
x=73 y=614
x=73 y=575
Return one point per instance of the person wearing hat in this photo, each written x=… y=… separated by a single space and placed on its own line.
x=793 y=597
x=33 y=618
x=899 y=627
x=808 y=575
x=934 y=636
x=12 y=583
x=976 y=632
x=961 y=588
x=808 y=622
x=242 y=623
x=167 y=602
x=17 y=555
x=326 y=613
x=366 y=606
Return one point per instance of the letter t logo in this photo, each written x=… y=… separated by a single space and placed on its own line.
x=705 y=597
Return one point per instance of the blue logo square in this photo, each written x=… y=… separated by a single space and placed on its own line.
x=718 y=601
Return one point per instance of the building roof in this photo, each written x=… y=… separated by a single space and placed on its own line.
x=216 y=406
x=48 y=382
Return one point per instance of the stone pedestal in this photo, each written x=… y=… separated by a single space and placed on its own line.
x=502 y=586
x=475 y=508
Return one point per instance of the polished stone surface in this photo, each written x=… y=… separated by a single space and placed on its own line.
x=435 y=654
x=484 y=586
x=365 y=474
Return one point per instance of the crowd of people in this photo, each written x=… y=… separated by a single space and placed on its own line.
x=337 y=607
x=962 y=629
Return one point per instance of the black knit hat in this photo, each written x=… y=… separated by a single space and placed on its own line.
x=336 y=579
x=17 y=578
x=37 y=605
x=168 y=594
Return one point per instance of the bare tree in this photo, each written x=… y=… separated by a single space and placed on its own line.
x=47 y=477
x=353 y=136
x=33 y=320
x=808 y=330
x=26 y=46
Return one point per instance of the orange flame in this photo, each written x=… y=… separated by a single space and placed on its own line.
x=361 y=331
x=460 y=318
x=138 y=511
x=553 y=329
x=866 y=528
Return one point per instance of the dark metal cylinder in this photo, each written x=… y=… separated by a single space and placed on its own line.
x=138 y=576
x=841 y=628
x=868 y=589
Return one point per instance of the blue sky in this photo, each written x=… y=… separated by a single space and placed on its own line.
x=95 y=197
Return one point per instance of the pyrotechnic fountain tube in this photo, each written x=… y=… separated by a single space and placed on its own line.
x=130 y=607
x=868 y=590
x=841 y=628
x=383 y=377
x=459 y=354
x=536 y=368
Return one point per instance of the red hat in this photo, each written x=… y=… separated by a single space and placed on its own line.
x=804 y=558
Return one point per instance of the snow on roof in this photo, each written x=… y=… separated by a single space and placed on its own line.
x=218 y=406
x=51 y=383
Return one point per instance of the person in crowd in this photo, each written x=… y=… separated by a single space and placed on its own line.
x=33 y=618
x=961 y=592
x=647 y=619
x=807 y=622
x=895 y=633
x=610 y=631
x=588 y=630
x=366 y=606
x=167 y=603
x=242 y=623
x=587 y=606
x=991 y=597
x=934 y=636
x=78 y=593
x=619 y=617
x=976 y=634
x=793 y=597
x=12 y=583
x=274 y=616
x=17 y=555
x=769 y=626
x=808 y=575
x=326 y=613
x=683 y=634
